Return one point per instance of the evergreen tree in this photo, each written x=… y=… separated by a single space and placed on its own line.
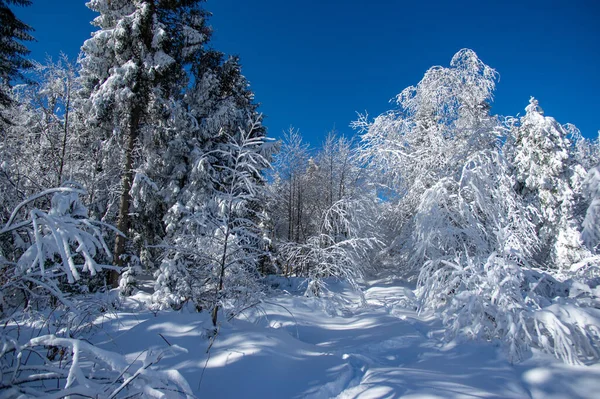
x=210 y=121
x=215 y=241
x=13 y=32
x=550 y=182
x=133 y=70
x=591 y=224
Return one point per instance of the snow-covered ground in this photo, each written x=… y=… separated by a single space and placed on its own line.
x=294 y=347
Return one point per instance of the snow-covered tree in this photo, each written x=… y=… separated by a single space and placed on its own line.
x=133 y=68
x=13 y=61
x=591 y=224
x=41 y=132
x=338 y=173
x=53 y=251
x=290 y=165
x=340 y=248
x=499 y=299
x=550 y=181
x=57 y=88
x=323 y=208
x=76 y=368
x=474 y=216
x=219 y=100
x=466 y=223
x=441 y=123
x=583 y=151
x=13 y=185
x=214 y=234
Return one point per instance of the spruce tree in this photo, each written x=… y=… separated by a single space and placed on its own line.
x=133 y=70
x=13 y=32
x=549 y=182
x=211 y=180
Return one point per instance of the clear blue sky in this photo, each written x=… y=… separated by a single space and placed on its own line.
x=314 y=63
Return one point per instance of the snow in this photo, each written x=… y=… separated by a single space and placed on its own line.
x=302 y=347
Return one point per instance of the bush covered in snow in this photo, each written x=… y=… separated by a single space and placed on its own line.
x=64 y=246
x=52 y=367
x=500 y=299
x=50 y=249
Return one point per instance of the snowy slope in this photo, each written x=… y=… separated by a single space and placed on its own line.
x=295 y=347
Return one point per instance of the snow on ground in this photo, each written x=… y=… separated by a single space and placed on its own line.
x=298 y=347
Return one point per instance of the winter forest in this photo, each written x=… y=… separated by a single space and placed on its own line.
x=156 y=242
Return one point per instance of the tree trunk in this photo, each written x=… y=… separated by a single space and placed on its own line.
x=126 y=181
x=299 y=212
x=65 y=135
x=222 y=265
x=290 y=210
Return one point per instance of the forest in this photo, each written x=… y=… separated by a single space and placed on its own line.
x=139 y=187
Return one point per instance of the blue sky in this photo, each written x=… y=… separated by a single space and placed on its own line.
x=314 y=64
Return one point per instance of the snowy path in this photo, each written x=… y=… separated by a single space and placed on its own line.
x=374 y=351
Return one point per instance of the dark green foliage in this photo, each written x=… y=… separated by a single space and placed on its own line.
x=13 y=32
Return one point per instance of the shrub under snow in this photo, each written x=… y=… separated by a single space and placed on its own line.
x=60 y=246
x=64 y=246
x=500 y=299
x=52 y=367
